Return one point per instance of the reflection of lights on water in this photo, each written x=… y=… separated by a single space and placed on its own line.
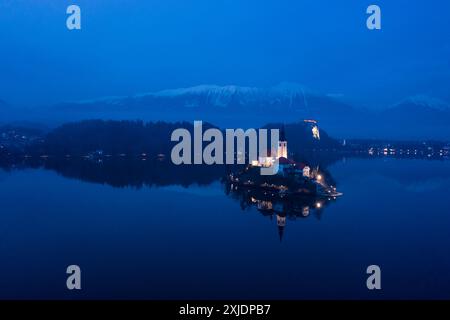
x=305 y=211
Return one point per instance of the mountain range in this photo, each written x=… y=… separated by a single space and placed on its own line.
x=236 y=106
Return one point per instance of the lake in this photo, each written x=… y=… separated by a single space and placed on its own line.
x=172 y=241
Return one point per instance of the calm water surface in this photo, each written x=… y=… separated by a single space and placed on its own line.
x=197 y=242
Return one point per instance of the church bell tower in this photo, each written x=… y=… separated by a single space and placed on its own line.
x=282 y=145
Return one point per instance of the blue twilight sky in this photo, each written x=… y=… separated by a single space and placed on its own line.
x=133 y=46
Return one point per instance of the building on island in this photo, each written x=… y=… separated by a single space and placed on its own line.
x=286 y=165
x=282 y=145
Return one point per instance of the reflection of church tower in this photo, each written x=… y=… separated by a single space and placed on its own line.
x=282 y=145
x=281 y=223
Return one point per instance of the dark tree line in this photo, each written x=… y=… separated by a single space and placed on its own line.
x=137 y=137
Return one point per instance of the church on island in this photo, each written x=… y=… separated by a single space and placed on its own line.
x=291 y=179
x=286 y=165
x=295 y=190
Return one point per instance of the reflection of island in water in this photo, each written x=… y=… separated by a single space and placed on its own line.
x=138 y=172
x=297 y=190
x=124 y=172
x=293 y=191
x=282 y=208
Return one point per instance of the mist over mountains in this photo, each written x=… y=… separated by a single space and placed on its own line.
x=418 y=117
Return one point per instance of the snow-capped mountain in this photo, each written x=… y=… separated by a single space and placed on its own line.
x=237 y=106
x=417 y=116
x=222 y=105
x=285 y=94
x=420 y=109
x=423 y=102
x=217 y=103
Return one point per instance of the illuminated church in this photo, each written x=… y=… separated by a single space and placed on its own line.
x=282 y=152
x=286 y=165
x=282 y=145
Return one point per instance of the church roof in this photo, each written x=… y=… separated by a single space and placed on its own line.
x=296 y=165
x=299 y=165
x=283 y=160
